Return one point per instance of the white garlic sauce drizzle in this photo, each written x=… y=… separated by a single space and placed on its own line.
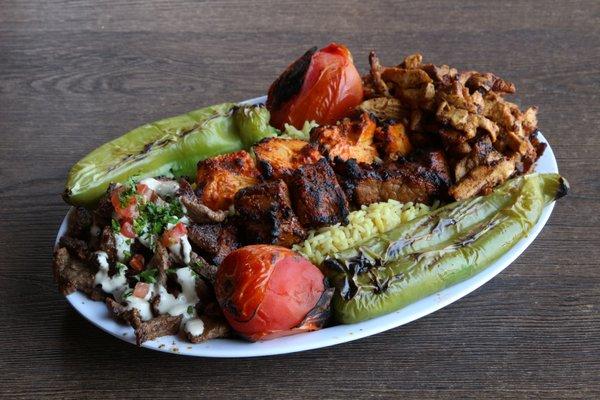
x=184 y=304
x=123 y=246
x=194 y=327
x=116 y=284
x=166 y=188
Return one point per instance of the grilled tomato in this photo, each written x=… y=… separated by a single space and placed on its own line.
x=269 y=291
x=321 y=86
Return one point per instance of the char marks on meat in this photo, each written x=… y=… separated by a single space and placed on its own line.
x=423 y=178
x=214 y=241
x=278 y=157
x=219 y=178
x=267 y=215
x=350 y=138
x=317 y=197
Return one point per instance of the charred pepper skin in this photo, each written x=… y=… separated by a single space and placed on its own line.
x=420 y=258
x=172 y=146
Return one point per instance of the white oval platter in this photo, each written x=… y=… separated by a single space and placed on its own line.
x=97 y=313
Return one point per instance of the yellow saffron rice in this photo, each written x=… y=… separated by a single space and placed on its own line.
x=363 y=225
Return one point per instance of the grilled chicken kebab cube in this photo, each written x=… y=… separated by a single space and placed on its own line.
x=317 y=197
x=267 y=213
x=392 y=141
x=351 y=138
x=277 y=158
x=219 y=178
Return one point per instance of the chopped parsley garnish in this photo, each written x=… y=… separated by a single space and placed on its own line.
x=171 y=271
x=125 y=196
x=127 y=254
x=120 y=267
x=148 y=276
x=190 y=310
x=139 y=224
x=127 y=293
x=116 y=227
x=154 y=218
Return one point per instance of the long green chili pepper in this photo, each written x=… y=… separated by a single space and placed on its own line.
x=172 y=146
x=438 y=250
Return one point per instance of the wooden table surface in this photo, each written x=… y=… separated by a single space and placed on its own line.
x=74 y=74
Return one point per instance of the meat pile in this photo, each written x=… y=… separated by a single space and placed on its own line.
x=485 y=138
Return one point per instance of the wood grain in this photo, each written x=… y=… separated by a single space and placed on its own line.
x=74 y=74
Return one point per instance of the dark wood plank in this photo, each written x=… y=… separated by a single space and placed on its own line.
x=74 y=74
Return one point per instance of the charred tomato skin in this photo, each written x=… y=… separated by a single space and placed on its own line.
x=267 y=291
x=322 y=86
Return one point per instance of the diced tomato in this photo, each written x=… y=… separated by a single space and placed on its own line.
x=141 y=289
x=144 y=191
x=173 y=235
x=127 y=229
x=127 y=211
x=137 y=262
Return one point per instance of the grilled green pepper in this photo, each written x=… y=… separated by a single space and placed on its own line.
x=171 y=146
x=438 y=250
x=253 y=124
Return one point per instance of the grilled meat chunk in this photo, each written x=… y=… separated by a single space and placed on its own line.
x=267 y=215
x=214 y=241
x=374 y=86
x=108 y=244
x=460 y=108
x=423 y=179
x=278 y=158
x=162 y=325
x=361 y=182
x=411 y=85
x=71 y=274
x=385 y=108
x=318 y=199
x=348 y=139
x=482 y=153
x=483 y=178
x=79 y=224
x=102 y=214
x=391 y=141
x=219 y=178
x=197 y=211
x=76 y=247
x=455 y=143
